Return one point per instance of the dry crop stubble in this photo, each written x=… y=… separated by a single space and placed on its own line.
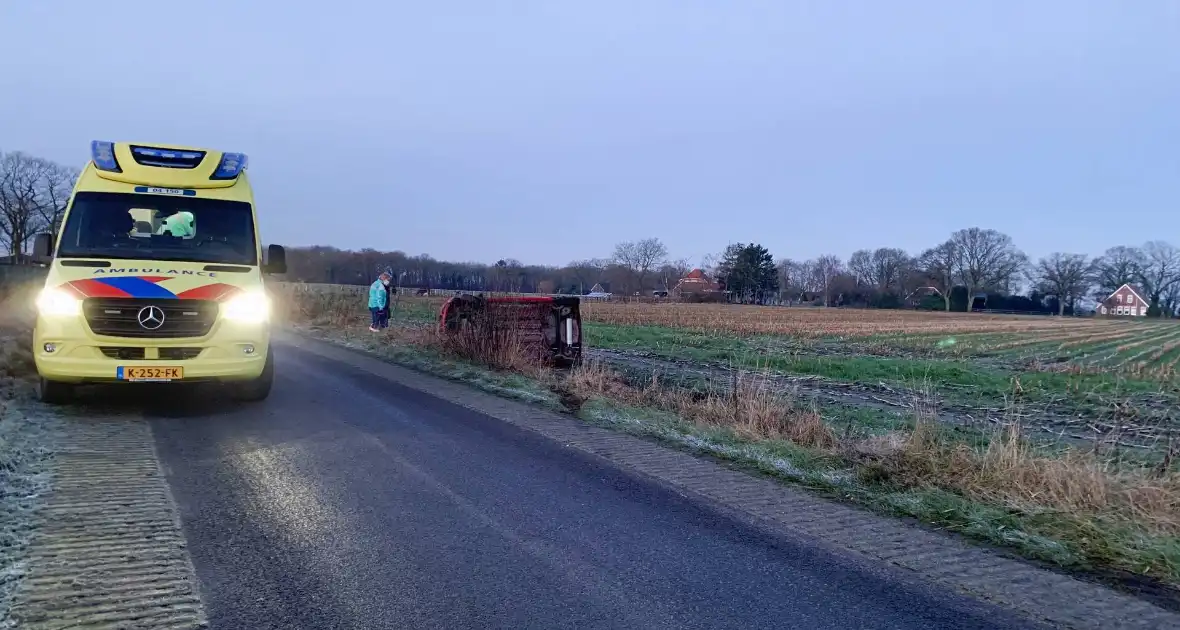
x=815 y=322
x=337 y=301
x=1098 y=345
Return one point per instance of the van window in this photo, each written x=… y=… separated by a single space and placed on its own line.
x=159 y=227
x=151 y=222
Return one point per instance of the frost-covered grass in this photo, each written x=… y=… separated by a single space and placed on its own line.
x=27 y=438
x=26 y=467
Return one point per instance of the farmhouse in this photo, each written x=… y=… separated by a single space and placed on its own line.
x=597 y=292
x=1127 y=301
x=695 y=282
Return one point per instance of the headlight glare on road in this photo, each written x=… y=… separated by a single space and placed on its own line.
x=58 y=303
x=248 y=308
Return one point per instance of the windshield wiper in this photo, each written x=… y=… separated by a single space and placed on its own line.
x=94 y=254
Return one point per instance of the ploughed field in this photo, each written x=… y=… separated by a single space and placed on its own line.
x=1064 y=378
x=1062 y=344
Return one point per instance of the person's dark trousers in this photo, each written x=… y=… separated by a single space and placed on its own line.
x=383 y=318
x=376 y=316
x=387 y=311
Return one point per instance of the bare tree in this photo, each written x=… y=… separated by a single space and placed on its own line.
x=21 y=197
x=587 y=273
x=56 y=186
x=507 y=275
x=1066 y=277
x=672 y=271
x=881 y=268
x=1170 y=301
x=498 y=275
x=1116 y=267
x=795 y=277
x=710 y=264
x=640 y=257
x=890 y=265
x=860 y=266
x=939 y=266
x=1159 y=272
x=986 y=260
x=824 y=271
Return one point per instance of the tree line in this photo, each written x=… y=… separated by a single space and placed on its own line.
x=973 y=267
x=33 y=197
x=633 y=267
x=982 y=268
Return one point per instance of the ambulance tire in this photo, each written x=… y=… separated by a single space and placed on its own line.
x=53 y=392
x=259 y=388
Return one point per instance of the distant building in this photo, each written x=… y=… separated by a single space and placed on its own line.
x=695 y=283
x=597 y=293
x=1127 y=301
x=979 y=301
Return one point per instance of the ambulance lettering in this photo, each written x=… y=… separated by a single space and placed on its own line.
x=158 y=272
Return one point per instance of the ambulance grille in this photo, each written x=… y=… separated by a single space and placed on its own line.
x=119 y=317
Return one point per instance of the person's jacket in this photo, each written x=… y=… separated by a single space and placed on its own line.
x=378 y=297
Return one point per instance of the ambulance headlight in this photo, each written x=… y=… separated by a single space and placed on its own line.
x=248 y=308
x=58 y=303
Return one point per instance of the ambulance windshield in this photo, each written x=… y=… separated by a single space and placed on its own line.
x=159 y=227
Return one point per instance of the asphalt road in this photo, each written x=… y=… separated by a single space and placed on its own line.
x=348 y=501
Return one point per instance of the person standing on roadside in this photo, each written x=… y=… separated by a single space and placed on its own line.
x=378 y=300
x=386 y=315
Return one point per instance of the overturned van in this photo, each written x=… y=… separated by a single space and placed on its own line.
x=547 y=328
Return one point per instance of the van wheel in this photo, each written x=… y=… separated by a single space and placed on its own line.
x=53 y=392
x=259 y=388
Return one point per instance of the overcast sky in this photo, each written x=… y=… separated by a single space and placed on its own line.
x=548 y=131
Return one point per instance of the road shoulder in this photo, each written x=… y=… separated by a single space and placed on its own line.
x=1036 y=592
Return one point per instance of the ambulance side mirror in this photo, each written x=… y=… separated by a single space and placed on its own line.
x=43 y=248
x=276 y=260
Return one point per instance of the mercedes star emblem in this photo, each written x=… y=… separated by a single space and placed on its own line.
x=150 y=317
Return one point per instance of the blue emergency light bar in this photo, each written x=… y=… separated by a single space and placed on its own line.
x=232 y=165
x=168 y=153
x=103 y=154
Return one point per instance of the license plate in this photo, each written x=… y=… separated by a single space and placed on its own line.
x=151 y=374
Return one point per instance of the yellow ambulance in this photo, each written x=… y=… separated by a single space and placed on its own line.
x=156 y=275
